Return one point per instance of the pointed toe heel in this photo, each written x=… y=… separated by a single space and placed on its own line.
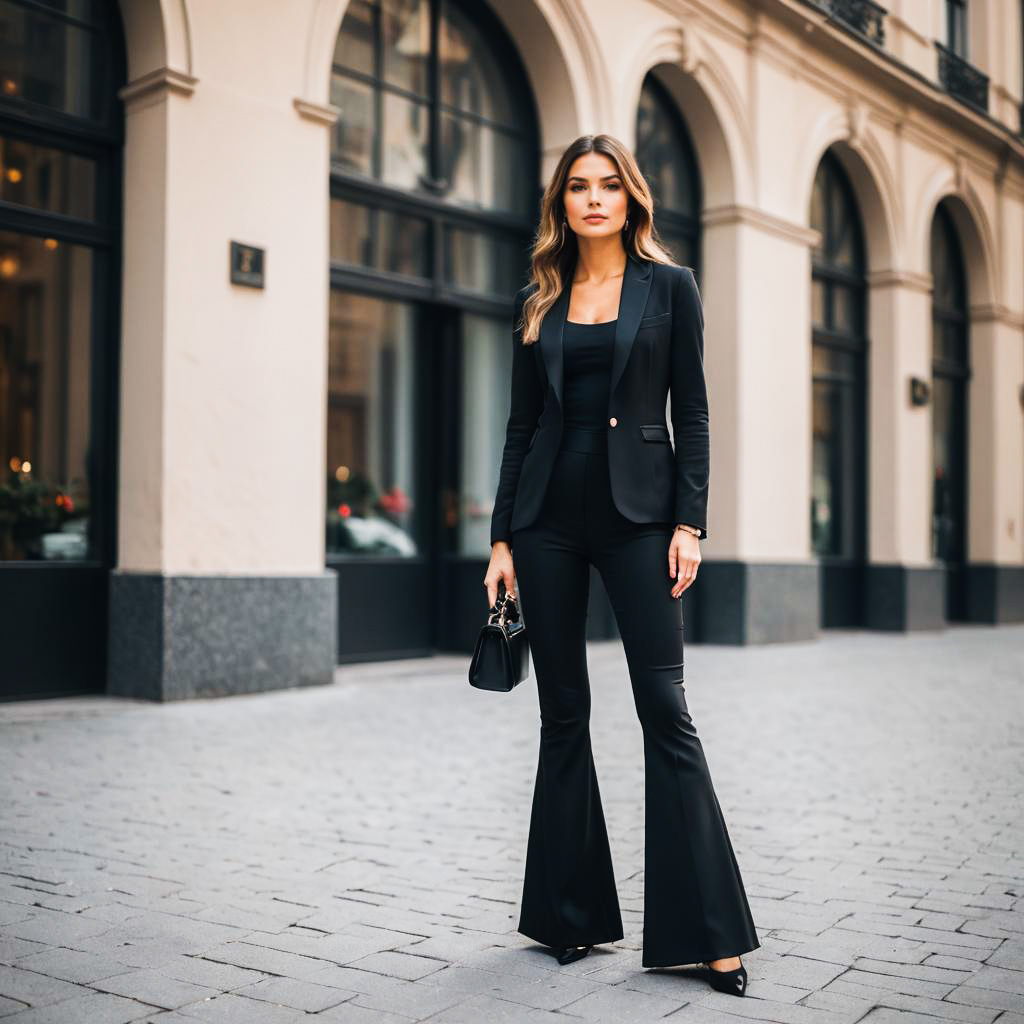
x=569 y=954
x=733 y=982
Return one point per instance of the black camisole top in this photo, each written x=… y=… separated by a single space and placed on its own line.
x=586 y=373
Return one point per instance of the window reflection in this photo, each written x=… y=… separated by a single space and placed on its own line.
x=665 y=152
x=50 y=60
x=371 y=455
x=950 y=370
x=405 y=28
x=46 y=178
x=838 y=316
x=477 y=262
x=45 y=398
x=667 y=159
x=486 y=372
x=485 y=155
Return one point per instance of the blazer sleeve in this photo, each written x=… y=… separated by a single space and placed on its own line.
x=690 y=429
x=526 y=404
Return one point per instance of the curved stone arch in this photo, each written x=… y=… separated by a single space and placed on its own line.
x=973 y=230
x=708 y=102
x=861 y=156
x=158 y=40
x=555 y=43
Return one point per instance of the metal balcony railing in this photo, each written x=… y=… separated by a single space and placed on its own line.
x=864 y=16
x=962 y=80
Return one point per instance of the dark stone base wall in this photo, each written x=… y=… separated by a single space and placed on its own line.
x=995 y=593
x=755 y=602
x=902 y=598
x=177 y=637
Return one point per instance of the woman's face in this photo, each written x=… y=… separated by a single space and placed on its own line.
x=596 y=200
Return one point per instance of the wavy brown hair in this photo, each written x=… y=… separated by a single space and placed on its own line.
x=555 y=247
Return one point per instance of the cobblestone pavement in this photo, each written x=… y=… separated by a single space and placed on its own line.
x=354 y=853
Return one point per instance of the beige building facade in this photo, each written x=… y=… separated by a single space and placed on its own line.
x=846 y=179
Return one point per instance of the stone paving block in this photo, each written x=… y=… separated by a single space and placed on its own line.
x=922 y=972
x=1009 y=954
x=998 y=978
x=802 y=972
x=9 y=1006
x=886 y=1015
x=696 y=1013
x=71 y=965
x=940 y=1009
x=415 y=999
x=843 y=1006
x=352 y=1013
x=54 y=928
x=167 y=1017
x=233 y=1009
x=92 y=1008
x=156 y=988
x=262 y=958
x=399 y=965
x=618 y=1004
x=35 y=989
x=11 y=948
x=493 y=1010
x=197 y=970
x=451 y=946
x=322 y=950
x=898 y=983
x=299 y=995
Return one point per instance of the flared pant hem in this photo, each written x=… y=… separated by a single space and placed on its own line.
x=572 y=940
x=693 y=956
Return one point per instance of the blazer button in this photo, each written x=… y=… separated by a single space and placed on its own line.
x=614 y=422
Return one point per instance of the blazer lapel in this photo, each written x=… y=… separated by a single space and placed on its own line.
x=636 y=285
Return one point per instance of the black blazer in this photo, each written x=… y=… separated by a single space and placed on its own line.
x=659 y=349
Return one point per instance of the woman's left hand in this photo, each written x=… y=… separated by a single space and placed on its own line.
x=684 y=556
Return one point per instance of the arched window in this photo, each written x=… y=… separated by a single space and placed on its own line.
x=434 y=158
x=838 y=358
x=434 y=200
x=950 y=373
x=666 y=157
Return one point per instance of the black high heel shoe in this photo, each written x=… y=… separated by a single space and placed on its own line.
x=733 y=982
x=569 y=954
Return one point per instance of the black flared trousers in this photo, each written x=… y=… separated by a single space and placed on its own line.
x=695 y=906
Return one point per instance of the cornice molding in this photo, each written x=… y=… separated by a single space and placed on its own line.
x=154 y=86
x=770 y=223
x=321 y=113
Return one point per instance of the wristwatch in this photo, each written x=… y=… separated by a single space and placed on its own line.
x=689 y=529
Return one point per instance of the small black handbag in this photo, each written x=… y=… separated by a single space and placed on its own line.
x=501 y=659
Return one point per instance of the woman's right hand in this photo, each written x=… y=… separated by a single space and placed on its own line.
x=500 y=568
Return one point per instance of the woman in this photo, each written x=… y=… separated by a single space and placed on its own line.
x=607 y=328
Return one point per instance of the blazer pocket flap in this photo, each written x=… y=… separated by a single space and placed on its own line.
x=654 y=431
x=656 y=318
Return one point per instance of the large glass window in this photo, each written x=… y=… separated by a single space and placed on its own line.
x=434 y=190
x=45 y=398
x=950 y=372
x=427 y=106
x=956 y=27
x=667 y=159
x=60 y=138
x=371 y=436
x=55 y=57
x=839 y=345
x=484 y=385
